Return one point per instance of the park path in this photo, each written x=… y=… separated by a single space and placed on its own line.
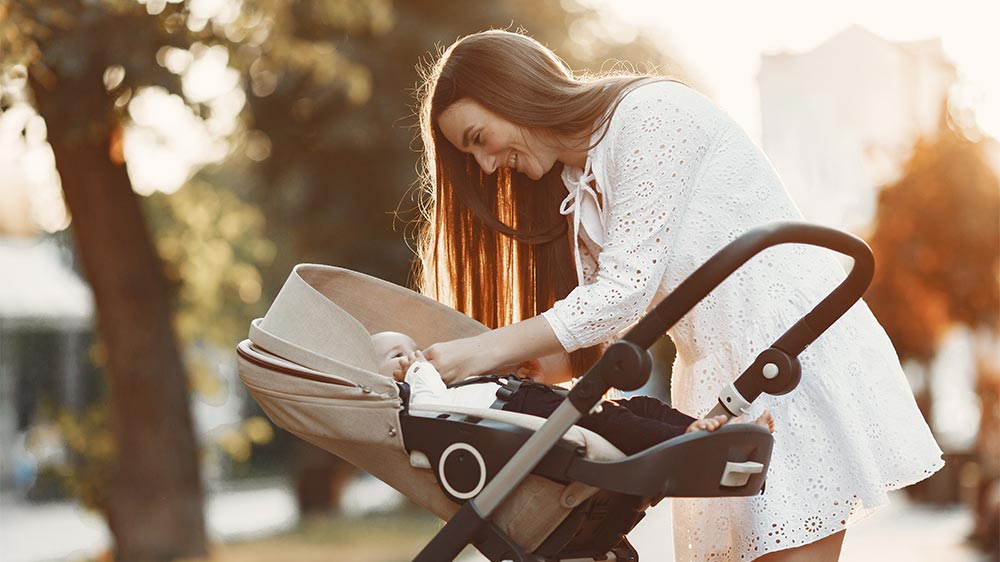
x=901 y=531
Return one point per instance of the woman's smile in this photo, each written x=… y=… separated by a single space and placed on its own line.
x=495 y=142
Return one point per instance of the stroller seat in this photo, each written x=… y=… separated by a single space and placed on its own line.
x=310 y=364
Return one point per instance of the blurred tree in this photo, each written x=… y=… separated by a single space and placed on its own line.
x=212 y=245
x=74 y=53
x=936 y=244
x=937 y=248
x=329 y=88
x=84 y=60
x=342 y=161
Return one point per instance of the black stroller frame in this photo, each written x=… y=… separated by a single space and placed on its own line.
x=731 y=461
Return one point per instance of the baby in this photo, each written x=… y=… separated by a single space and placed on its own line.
x=631 y=424
x=398 y=357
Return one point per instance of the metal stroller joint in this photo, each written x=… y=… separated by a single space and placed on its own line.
x=624 y=366
x=774 y=372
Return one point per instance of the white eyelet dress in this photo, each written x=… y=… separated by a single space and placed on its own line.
x=672 y=182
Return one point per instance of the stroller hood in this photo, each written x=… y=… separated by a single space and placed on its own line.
x=310 y=364
x=328 y=314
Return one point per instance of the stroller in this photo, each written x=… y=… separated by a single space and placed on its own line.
x=518 y=487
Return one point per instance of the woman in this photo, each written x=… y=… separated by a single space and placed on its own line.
x=658 y=180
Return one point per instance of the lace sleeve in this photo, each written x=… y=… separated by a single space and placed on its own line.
x=589 y=263
x=659 y=137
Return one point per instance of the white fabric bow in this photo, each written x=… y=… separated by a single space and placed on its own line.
x=585 y=206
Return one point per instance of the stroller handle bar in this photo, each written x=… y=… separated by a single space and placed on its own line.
x=627 y=364
x=714 y=271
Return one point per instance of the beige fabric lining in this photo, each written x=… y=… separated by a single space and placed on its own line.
x=310 y=364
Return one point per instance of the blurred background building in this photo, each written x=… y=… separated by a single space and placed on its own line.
x=46 y=307
x=46 y=325
x=839 y=121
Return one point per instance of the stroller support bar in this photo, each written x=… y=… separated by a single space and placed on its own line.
x=464 y=527
x=732 y=401
x=470 y=520
x=774 y=372
x=521 y=464
x=624 y=365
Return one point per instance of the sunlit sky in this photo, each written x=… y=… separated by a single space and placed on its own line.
x=720 y=42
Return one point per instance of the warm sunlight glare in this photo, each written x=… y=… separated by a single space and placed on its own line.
x=30 y=190
x=720 y=43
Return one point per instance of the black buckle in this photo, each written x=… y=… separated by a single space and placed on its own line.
x=508 y=386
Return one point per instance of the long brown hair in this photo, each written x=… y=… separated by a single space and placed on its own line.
x=495 y=246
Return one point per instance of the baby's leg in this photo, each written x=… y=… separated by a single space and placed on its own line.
x=625 y=429
x=649 y=407
x=707 y=424
x=765 y=420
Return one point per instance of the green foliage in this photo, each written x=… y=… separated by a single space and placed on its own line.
x=237 y=442
x=337 y=185
x=64 y=47
x=89 y=449
x=92 y=450
x=212 y=246
x=213 y=249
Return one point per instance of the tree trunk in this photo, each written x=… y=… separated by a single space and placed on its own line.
x=154 y=500
x=320 y=479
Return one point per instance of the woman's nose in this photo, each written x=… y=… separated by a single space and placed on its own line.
x=487 y=162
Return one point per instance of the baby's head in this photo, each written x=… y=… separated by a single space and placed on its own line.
x=391 y=349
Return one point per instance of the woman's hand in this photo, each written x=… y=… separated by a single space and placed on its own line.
x=531 y=369
x=500 y=350
x=400 y=365
x=458 y=359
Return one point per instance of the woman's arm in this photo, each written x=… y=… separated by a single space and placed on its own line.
x=656 y=144
x=503 y=348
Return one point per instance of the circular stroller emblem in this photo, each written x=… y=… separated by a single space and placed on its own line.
x=459 y=447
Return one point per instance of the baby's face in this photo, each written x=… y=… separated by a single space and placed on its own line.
x=389 y=347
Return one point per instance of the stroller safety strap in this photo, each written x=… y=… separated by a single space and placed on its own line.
x=508 y=385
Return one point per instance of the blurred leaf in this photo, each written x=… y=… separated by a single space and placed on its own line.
x=936 y=244
x=92 y=455
x=258 y=430
x=213 y=246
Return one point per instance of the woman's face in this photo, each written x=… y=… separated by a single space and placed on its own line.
x=494 y=141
